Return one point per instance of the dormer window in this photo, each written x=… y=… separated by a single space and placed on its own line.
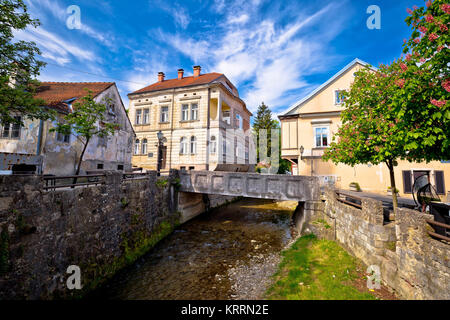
x=338 y=97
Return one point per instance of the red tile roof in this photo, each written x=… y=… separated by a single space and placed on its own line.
x=178 y=83
x=55 y=93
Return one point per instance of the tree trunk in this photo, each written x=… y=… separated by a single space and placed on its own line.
x=79 y=161
x=390 y=166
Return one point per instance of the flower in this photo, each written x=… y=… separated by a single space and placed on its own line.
x=439 y=49
x=417 y=40
x=428 y=3
x=446 y=8
x=443 y=27
x=429 y=18
x=409 y=10
x=408 y=57
x=438 y=103
x=403 y=66
x=400 y=82
x=432 y=36
x=446 y=84
x=423 y=29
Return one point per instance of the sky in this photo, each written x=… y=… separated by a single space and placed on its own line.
x=274 y=51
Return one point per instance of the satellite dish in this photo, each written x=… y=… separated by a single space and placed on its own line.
x=423 y=192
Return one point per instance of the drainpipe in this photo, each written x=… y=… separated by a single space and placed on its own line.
x=39 y=145
x=171 y=129
x=207 y=130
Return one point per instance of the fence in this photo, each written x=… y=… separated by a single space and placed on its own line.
x=56 y=182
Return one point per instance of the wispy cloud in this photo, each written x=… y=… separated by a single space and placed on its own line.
x=179 y=13
x=269 y=60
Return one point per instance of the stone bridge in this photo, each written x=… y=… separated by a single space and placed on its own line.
x=252 y=185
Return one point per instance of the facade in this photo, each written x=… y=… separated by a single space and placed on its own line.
x=308 y=126
x=57 y=154
x=203 y=121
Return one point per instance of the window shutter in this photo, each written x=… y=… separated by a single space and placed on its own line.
x=407 y=184
x=439 y=179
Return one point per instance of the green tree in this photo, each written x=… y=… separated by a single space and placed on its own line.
x=86 y=121
x=369 y=132
x=18 y=67
x=264 y=121
x=401 y=111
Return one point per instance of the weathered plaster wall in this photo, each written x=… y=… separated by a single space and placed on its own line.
x=100 y=229
x=412 y=263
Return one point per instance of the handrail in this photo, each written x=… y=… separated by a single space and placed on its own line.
x=436 y=235
x=73 y=177
x=359 y=206
x=438 y=224
x=51 y=181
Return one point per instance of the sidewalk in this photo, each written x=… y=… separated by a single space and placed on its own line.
x=387 y=200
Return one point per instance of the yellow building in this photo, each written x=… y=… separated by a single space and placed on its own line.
x=202 y=118
x=308 y=126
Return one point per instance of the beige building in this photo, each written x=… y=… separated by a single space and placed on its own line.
x=308 y=126
x=202 y=119
x=48 y=152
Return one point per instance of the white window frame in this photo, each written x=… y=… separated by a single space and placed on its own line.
x=164 y=114
x=11 y=128
x=137 y=143
x=146 y=116
x=194 y=110
x=183 y=145
x=60 y=137
x=337 y=99
x=213 y=145
x=321 y=136
x=193 y=145
x=138 y=117
x=185 y=112
x=144 y=146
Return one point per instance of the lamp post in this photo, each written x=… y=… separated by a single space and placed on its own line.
x=301 y=152
x=160 y=145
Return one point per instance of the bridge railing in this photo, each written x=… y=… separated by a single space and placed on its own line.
x=58 y=182
x=349 y=199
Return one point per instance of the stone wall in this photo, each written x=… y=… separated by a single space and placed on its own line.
x=101 y=229
x=412 y=263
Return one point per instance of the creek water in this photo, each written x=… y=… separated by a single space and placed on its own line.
x=227 y=253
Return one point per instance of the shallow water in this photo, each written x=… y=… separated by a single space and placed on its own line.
x=199 y=259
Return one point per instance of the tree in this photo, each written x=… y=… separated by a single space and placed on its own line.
x=369 y=132
x=86 y=121
x=264 y=121
x=18 y=67
x=401 y=111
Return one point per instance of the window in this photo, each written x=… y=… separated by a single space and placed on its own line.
x=226 y=116
x=338 y=99
x=193 y=145
x=138 y=116
x=111 y=109
x=182 y=168
x=164 y=114
x=185 y=112
x=100 y=166
x=11 y=130
x=194 y=111
x=136 y=146
x=239 y=123
x=407 y=183
x=183 y=146
x=120 y=167
x=62 y=137
x=146 y=118
x=191 y=168
x=439 y=182
x=144 y=146
x=321 y=135
x=213 y=145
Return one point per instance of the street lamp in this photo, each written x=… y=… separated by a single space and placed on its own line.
x=160 y=137
x=301 y=151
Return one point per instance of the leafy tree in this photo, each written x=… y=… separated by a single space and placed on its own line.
x=264 y=121
x=86 y=121
x=18 y=67
x=401 y=111
x=369 y=132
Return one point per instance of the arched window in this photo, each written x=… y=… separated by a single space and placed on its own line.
x=183 y=146
x=136 y=146
x=144 y=146
x=213 y=145
x=193 y=145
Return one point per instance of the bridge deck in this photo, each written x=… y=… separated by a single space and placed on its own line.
x=253 y=185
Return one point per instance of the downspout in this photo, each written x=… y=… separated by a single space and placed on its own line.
x=207 y=130
x=171 y=129
x=39 y=145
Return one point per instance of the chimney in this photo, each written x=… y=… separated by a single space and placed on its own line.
x=197 y=70
x=161 y=76
x=180 y=74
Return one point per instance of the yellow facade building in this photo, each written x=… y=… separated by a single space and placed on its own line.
x=308 y=126
x=202 y=118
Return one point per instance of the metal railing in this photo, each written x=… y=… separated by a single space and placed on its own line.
x=57 y=182
x=349 y=199
x=441 y=230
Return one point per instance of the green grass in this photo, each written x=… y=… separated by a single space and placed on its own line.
x=314 y=269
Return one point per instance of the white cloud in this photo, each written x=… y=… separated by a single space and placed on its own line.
x=179 y=13
x=268 y=59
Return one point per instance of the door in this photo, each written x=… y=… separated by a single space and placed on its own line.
x=163 y=157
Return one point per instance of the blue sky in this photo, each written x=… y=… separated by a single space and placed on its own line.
x=274 y=51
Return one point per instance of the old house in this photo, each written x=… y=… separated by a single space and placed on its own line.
x=202 y=119
x=308 y=126
x=54 y=153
